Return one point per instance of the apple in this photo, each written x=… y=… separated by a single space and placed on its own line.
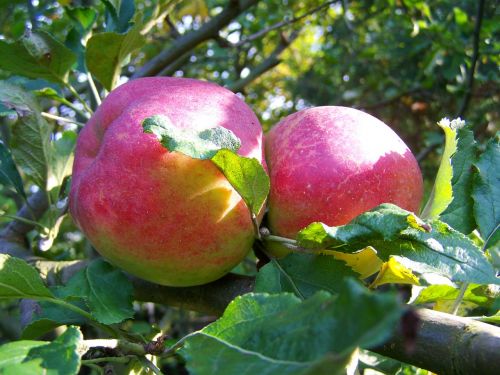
x=163 y=216
x=330 y=164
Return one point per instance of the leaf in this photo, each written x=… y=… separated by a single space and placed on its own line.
x=442 y=192
x=486 y=193
x=246 y=175
x=423 y=248
x=365 y=262
x=30 y=135
x=20 y=280
x=309 y=274
x=37 y=55
x=83 y=17
x=119 y=14
x=202 y=144
x=477 y=294
x=43 y=317
x=9 y=175
x=459 y=212
x=279 y=334
x=59 y=357
x=110 y=293
x=106 y=52
x=61 y=159
x=393 y=272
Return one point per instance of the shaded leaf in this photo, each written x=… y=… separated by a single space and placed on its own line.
x=202 y=144
x=45 y=316
x=279 y=334
x=9 y=175
x=309 y=274
x=110 y=293
x=106 y=52
x=59 y=357
x=119 y=14
x=30 y=135
x=459 y=212
x=37 y=55
x=392 y=231
x=486 y=193
x=246 y=175
x=20 y=280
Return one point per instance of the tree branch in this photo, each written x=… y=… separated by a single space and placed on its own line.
x=190 y=40
x=447 y=344
x=475 y=56
x=281 y=24
x=269 y=63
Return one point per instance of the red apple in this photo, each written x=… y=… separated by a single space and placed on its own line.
x=330 y=164
x=161 y=215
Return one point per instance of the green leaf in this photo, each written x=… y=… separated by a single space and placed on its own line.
x=37 y=55
x=61 y=159
x=119 y=14
x=459 y=212
x=442 y=192
x=30 y=135
x=423 y=248
x=83 y=17
x=9 y=175
x=279 y=334
x=106 y=52
x=486 y=193
x=477 y=294
x=110 y=293
x=246 y=175
x=50 y=93
x=59 y=357
x=42 y=317
x=309 y=273
x=20 y=280
x=202 y=144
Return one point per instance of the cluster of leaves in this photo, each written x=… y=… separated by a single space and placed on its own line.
x=306 y=300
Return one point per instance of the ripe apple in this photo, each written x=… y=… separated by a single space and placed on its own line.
x=160 y=215
x=330 y=164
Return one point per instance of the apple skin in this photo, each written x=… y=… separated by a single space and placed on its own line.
x=161 y=215
x=330 y=164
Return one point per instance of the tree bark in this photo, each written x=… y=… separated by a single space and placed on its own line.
x=448 y=344
x=190 y=40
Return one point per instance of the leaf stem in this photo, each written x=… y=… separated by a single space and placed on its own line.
x=146 y=362
x=460 y=297
x=59 y=118
x=79 y=98
x=24 y=220
x=124 y=359
x=93 y=88
x=255 y=224
x=83 y=313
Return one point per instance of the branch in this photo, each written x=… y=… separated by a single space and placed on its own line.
x=269 y=63
x=475 y=57
x=281 y=24
x=447 y=344
x=190 y=40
